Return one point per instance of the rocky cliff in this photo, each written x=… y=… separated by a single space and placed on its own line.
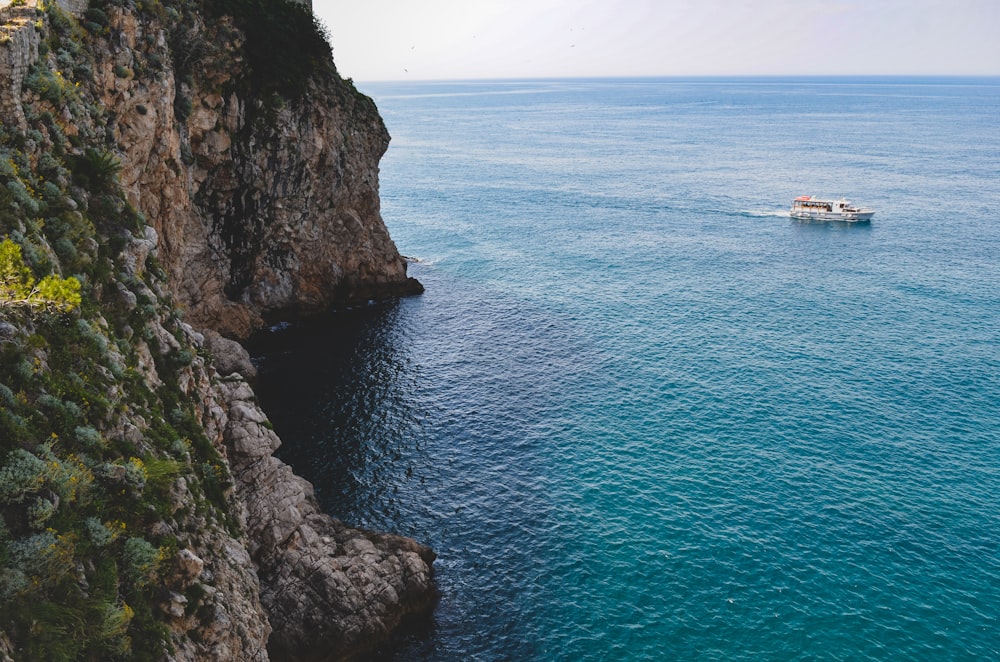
x=197 y=168
x=266 y=199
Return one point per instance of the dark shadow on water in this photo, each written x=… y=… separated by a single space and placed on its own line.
x=429 y=417
x=327 y=386
x=413 y=639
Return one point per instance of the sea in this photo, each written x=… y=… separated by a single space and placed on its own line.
x=640 y=413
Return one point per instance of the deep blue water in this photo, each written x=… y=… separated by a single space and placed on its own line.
x=639 y=412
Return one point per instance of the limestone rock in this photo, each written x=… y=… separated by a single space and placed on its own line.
x=278 y=211
x=8 y=332
x=229 y=356
x=326 y=587
x=189 y=564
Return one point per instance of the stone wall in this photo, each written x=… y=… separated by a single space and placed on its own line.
x=19 y=41
x=74 y=7
x=18 y=51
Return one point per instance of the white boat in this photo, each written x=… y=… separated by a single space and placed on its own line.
x=811 y=208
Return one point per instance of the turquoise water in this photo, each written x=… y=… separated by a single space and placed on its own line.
x=639 y=412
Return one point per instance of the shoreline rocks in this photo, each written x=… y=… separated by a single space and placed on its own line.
x=326 y=587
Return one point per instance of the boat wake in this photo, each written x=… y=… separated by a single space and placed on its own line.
x=765 y=213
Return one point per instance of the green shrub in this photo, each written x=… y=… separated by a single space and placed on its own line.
x=22 y=197
x=44 y=557
x=40 y=512
x=50 y=86
x=96 y=170
x=22 y=475
x=114 y=625
x=7 y=398
x=13 y=582
x=18 y=288
x=127 y=478
x=160 y=473
x=97 y=16
x=140 y=559
x=99 y=535
x=88 y=438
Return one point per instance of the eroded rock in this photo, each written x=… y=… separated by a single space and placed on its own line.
x=326 y=586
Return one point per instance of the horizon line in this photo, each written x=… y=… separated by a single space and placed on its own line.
x=690 y=77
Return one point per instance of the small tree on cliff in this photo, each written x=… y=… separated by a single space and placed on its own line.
x=19 y=290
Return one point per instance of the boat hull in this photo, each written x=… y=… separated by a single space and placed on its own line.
x=847 y=217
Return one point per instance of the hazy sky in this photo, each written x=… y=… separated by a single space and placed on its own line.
x=435 y=39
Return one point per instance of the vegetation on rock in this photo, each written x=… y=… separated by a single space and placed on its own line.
x=18 y=288
x=105 y=470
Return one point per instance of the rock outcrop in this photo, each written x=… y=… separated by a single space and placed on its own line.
x=262 y=207
x=296 y=581
x=326 y=587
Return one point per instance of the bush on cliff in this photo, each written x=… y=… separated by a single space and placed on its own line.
x=96 y=170
x=20 y=290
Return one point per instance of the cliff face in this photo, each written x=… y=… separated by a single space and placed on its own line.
x=264 y=205
x=143 y=151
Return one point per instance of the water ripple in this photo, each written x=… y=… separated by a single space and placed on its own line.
x=637 y=420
